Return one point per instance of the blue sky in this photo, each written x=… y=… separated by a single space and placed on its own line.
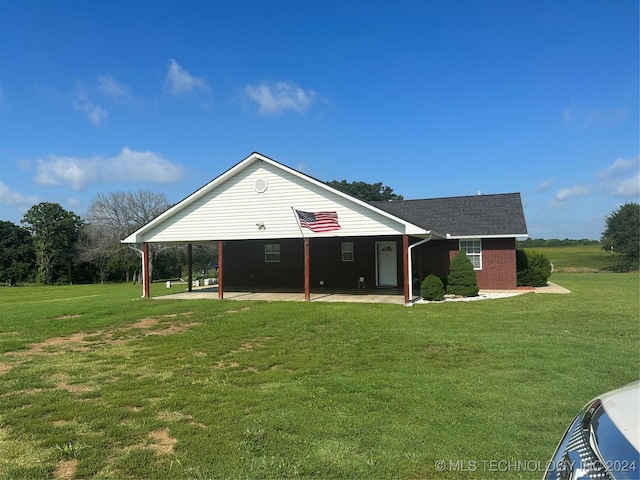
x=432 y=98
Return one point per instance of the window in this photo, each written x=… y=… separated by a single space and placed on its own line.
x=473 y=249
x=347 y=251
x=272 y=252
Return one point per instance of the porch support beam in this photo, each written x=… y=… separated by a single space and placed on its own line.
x=409 y=269
x=146 y=281
x=406 y=267
x=220 y=271
x=190 y=267
x=307 y=283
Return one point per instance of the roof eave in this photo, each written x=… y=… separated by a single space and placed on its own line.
x=479 y=235
x=137 y=236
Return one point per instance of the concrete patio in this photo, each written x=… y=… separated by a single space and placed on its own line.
x=370 y=295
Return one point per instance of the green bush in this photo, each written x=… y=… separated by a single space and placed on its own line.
x=533 y=268
x=462 y=277
x=432 y=288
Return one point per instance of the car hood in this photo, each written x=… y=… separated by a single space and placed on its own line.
x=623 y=407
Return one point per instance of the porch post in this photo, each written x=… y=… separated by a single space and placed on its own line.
x=220 y=270
x=146 y=281
x=307 y=289
x=190 y=267
x=406 y=267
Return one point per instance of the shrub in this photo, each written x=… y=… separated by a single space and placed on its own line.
x=462 y=277
x=533 y=268
x=432 y=288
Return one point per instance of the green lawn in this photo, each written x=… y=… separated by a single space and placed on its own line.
x=579 y=258
x=97 y=382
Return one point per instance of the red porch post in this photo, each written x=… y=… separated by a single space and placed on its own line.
x=146 y=281
x=307 y=289
x=190 y=267
x=406 y=267
x=220 y=270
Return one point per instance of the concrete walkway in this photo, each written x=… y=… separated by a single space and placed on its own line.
x=551 y=287
x=394 y=295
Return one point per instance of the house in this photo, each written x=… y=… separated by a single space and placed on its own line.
x=276 y=227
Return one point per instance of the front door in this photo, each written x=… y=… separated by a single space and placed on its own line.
x=387 y=261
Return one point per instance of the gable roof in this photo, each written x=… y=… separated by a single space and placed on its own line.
x=230 y=207
x=499 y=215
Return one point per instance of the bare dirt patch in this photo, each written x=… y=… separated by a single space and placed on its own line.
x=74 y=342
x=251 y=344
x=170 y=416
x=83 y=342
x=66 y=469
x=61 y=384
x=151 y=326
x=222 y=365
x=5 y=367
x=163 y=443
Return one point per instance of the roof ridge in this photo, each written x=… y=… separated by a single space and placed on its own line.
x=446 y=198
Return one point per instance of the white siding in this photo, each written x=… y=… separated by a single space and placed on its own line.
x=231 y=210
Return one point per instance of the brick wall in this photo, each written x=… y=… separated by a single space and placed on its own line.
x=498 y=262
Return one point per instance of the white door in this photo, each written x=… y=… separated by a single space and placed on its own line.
x=387 y=262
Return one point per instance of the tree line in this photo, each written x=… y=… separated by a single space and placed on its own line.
x=53 y=245
x=555 y=242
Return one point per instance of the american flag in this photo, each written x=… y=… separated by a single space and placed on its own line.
x=319 y=221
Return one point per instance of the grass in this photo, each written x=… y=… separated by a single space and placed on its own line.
x=579 y=258
x=97 y=382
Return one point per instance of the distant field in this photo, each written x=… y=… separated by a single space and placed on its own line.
x=580 y=258
x=98 y=383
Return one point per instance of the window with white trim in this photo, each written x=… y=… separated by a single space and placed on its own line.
x=347 y=251
x=272 y=252
x=473 y=249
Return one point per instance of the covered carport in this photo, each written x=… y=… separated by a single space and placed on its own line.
x=261 y=201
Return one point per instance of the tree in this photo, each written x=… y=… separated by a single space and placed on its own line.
x=17 y=256
x=54 y=231
x=462 y=277
x=119 y=214
x=125 y=212
x=622 y=235
x=96 y=246
x=369 y=192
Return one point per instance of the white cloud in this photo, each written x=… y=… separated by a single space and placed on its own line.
x=544 y=186
x=628 y=188
x=565 y=194
x=178 y=81
x=622 y=178
x=128 y=165
x=112 y=88
x=15 y=199
x=585 y=117
x=83 y=103
x=620 y=167
x=275 y=99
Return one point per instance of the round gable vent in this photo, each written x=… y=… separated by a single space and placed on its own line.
x=260 y=185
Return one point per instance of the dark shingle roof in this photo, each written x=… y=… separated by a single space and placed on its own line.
x=480 y=215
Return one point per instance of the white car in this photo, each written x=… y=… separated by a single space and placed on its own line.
x=603 y=441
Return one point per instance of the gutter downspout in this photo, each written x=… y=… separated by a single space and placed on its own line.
x=410 y=262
